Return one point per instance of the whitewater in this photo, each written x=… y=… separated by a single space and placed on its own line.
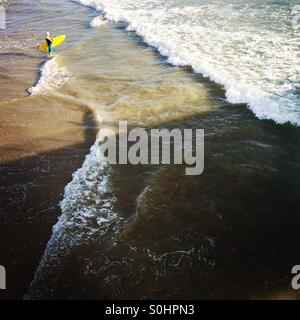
x=249 y=48
x=52 y=76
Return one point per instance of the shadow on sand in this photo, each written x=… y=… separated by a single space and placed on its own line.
x=30 y=192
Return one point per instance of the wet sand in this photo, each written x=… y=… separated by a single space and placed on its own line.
x=40 y=148
x=42 y=142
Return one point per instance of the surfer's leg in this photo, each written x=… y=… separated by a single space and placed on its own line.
x=50 y=50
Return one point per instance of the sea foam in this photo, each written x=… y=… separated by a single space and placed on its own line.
x=97 y=22
x=250 y=49
x=87 y=213
x=52 y=77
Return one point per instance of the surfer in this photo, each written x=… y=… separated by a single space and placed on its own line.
x=50 y=45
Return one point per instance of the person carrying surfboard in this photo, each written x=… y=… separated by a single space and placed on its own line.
x=50 y=44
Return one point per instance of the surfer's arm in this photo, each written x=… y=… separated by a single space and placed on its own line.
x=49 y=40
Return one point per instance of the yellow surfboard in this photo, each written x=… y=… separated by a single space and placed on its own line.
x=56 y=41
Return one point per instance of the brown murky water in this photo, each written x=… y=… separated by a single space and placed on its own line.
x=151 y=231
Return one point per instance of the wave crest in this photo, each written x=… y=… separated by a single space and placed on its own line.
x=53 y=76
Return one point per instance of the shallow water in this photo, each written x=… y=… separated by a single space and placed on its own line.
x=150 y=231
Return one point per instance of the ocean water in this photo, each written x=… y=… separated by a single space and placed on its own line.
x=151 y=231
x=250 y=48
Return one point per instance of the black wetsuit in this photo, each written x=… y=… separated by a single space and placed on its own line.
x=49 y=41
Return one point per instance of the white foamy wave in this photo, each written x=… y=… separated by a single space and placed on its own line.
x=97 y=22
x=90 y=3
x=251 y=49
x=87 y=214
x=53 y=76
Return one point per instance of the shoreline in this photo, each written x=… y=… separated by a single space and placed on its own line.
x=43 y=141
